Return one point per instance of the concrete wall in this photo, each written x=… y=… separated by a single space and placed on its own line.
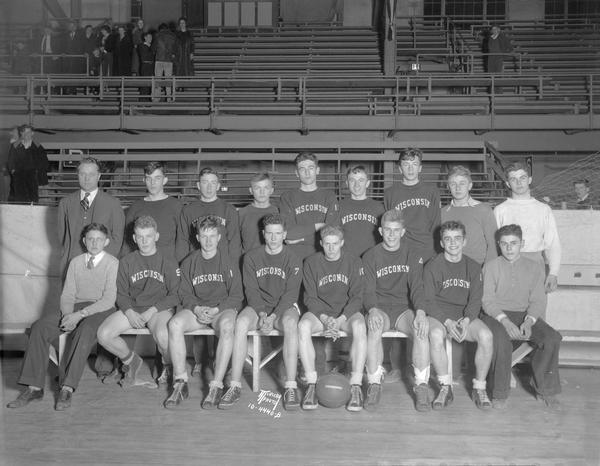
x=520 y=10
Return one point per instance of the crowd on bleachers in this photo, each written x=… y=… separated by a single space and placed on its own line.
x=107 y=49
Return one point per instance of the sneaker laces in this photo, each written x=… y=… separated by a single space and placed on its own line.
x=291 y=394
x=228 y=394
x=483 y=397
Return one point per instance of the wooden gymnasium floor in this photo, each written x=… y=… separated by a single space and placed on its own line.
x=108 y=426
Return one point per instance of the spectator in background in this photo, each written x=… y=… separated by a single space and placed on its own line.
x=185 y=50
x=28 y=167
x=13 y=139
x=497 y=44
x=49 y=45
x=164 y=47
x=583 y=193
x=122 y=53
x=137 y=37
x=72 y=44
x=21 y=63
x=106 y=49
x=89 y=41
x=146 y=60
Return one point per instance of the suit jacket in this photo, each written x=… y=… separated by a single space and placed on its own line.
x=72 y=219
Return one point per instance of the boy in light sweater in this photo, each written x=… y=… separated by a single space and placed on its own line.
x=87 y=299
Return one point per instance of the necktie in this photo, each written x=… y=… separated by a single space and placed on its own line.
x=85 y=202
x=90 y=262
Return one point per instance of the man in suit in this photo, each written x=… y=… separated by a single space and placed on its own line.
x=80 y=208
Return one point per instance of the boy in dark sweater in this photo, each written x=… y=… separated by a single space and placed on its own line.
x=251 y=216
x=454 y=288
x=359 y=214
x=307 y=209
x=211 y=295
x=272 y=277
x=333 y=285
x=147 y=285
x=394 y=299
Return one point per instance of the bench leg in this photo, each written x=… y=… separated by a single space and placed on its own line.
x=56 y=356
x=256 y=363
x=523 y=350
x=449 y=356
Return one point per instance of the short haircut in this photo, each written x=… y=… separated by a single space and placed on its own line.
x=152 y=166
x=392 y=215
x=273 y=219
x=22 y=129
x=452 y=225
x=162 y=26
x=459 y=170
x=331 y=230
x=105 y=28
x=94 y=226
x=207 y=223
x=145 y=221
x=209 y=171
x=260 y=176
x=583 y=181
x=182 y=18
x=509 y=230
x=88 y=161
x=302 y=156
x=355 y=170
x=410 y=153
x=515 y=166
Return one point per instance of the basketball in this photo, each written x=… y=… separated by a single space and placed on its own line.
x=333 y=390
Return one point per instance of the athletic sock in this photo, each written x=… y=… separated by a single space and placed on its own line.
x=375 y=377
x=183 y=377
x=479 y=384
x=127 y=360
x=290 y=384
x=421 y=376
x=235 y=384
x=35 y=389
x=444 y=379
x=67 y=388
x=356 y=378
x=311 y=377
x=214 y=383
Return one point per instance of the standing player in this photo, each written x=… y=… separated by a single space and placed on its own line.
x=333 y=285
x=166 y=210
x=515 y=302
x=147 y=286
x=88 y=297
x=307 y=209
x=394 y=299
x=359 y=214
x=208 y=204
x=272 y=280
x=261 y=188
x=418 y=202
x=477 y=217
x=536 y=220
x=453 y=286
x=211 y=295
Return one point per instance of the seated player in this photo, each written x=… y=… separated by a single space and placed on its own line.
x=393 y=288
x=272 y=283
x=514 y=301
x=261 y=188
x=88 y=297
x=333 y=286
x=147 y=286
x=453 y=286
x=211 y=295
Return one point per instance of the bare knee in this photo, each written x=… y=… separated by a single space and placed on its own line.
x=304 y=330
x=485 y=338
x=436 y=338
x=289 y=324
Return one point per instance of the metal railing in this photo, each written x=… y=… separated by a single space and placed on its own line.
x=42 y=64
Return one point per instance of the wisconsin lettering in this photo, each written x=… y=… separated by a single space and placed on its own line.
x=147 y=274
x=270 y=271
x=396 y=268
x=413 y=203
x=208 y=277
x=333 y=277
x=311 y=208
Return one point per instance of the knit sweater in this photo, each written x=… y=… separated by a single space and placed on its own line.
x=333 y=287
x=146 y=281
x=453 y=289
x=360 y=220
x=539 y=227
x=97 y=285
x=393 y=279
x=302 y=210
x=166 y=212
x=213 y=282
x=230 y=231
x=272 y=281
x=251 y=226
x=480 y=223
x=513 y=286
x=420 y=206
